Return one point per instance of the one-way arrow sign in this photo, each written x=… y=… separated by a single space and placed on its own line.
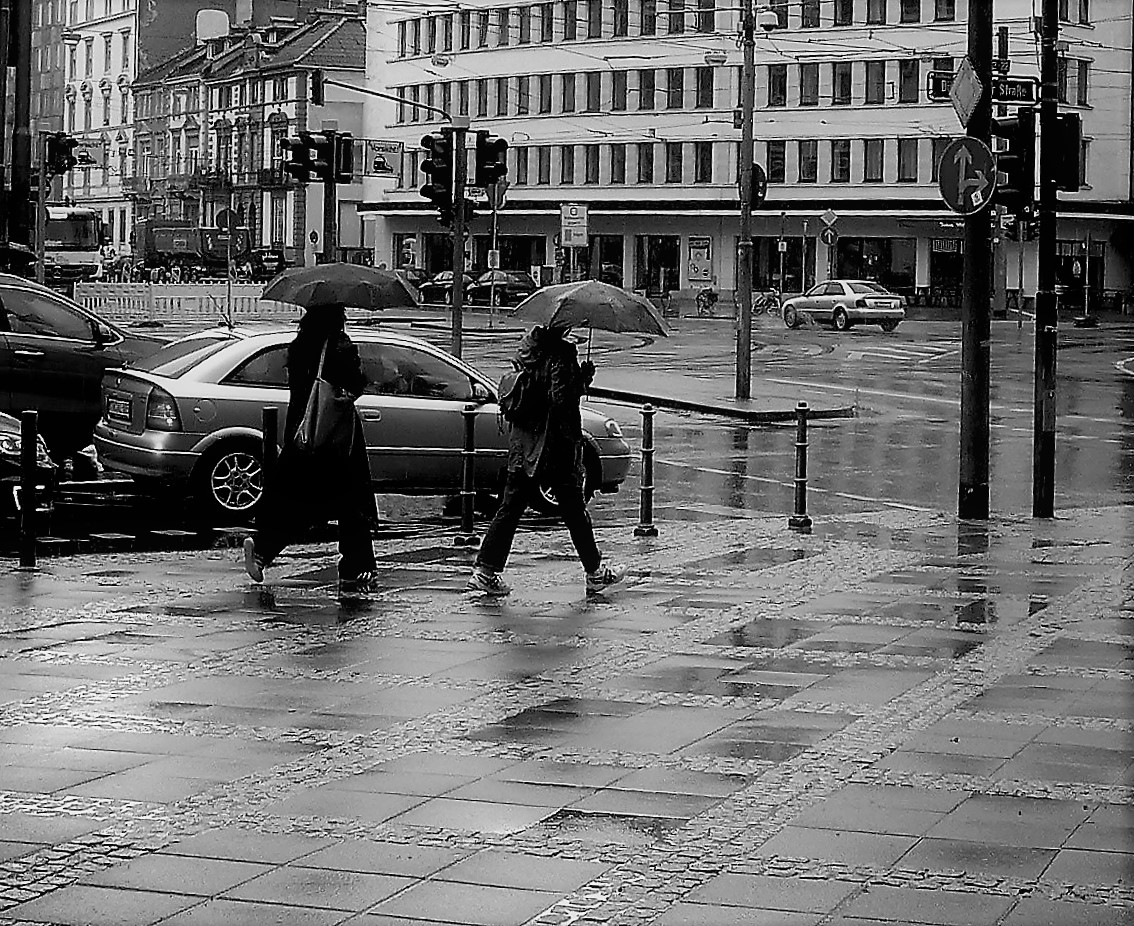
x=967 y=178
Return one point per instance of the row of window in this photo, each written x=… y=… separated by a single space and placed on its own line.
x=84 y=119
x=91 y=10
x=183 y=100
x=571 y=20
x=700 y=162
x=838 y=83
x=125 y=60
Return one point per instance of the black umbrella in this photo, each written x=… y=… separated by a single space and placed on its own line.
x=350 y=285
x=591 y=304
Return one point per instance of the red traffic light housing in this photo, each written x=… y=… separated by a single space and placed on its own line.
x=321 y=150
x=759 y=188
x=60 y=155
x=298 y=158
x=1017 y=164
x=344 y=158
x=491 y=159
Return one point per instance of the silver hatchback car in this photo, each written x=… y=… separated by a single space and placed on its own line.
x=191 y=415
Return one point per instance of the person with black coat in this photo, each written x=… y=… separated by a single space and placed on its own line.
x=304 y=488
x=549 y=451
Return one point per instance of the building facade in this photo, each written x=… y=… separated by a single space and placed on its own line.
x=49 y=75
x=211 y=117
x=627 y=107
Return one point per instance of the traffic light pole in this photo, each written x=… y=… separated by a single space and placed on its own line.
x=976 y=299
x=1043 y=420
x=41 y=209
x=744 y=246
x=20 y=30
x=331 y=203
x=5 y=22
x=460 y=181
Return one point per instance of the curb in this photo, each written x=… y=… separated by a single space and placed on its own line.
x=752 y=416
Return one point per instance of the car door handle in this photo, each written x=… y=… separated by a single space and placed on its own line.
x=370 y=415
x=28 y=353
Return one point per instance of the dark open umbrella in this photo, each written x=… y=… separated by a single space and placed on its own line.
x=351 y=285
x=591 y=304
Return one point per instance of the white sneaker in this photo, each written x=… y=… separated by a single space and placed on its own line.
x=253 y=565
x=604 y=576
x=483 y=580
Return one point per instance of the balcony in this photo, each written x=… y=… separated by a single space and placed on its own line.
x=213 y=181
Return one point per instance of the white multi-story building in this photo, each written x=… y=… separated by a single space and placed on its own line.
x=627 y=106
x=101 y=61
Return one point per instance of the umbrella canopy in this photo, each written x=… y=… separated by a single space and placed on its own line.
x=591 y=304
x=351 y=285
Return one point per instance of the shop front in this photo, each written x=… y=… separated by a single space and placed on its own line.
x=1079 y=270
x=657 y=264
x=889 y=261
x=946 y=271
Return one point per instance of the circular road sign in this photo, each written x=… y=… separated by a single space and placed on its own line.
x=967 y=176
x=828 y=236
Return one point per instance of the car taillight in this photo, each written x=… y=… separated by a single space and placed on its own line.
x=161 y=412
x=860 y=303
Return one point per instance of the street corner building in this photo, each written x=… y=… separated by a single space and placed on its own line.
x=631 y=109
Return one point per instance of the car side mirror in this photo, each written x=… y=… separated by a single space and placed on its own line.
x=102 y=334
x=481 y=393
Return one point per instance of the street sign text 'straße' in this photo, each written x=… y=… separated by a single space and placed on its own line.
x=1004 y=89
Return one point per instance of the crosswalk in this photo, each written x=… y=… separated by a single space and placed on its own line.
x=907 y=354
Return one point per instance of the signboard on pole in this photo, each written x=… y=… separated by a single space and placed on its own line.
x=90 y=152
x=967 y=176
x=573 y=232
x=1023 y=90
x=381 y=158
x=966 y=91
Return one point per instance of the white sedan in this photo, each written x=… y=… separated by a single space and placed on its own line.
x=842 y=303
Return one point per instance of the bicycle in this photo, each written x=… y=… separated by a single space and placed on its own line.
x=706 y=299
x=766 y=302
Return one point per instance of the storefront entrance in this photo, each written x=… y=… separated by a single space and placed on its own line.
x=657 y=259
x=889 y=261
x=946 y=271
x=1075 y=272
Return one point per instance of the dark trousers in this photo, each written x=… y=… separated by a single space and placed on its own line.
x=299 y=496
x=519 y=490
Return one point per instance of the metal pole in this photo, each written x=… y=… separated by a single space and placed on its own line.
x=41 y=210
x=21 y=29
x=780 y=246
x=744 y=245
x=270 y=428
x=331 y=206
x=799 y=521
x=29 y=443
x=646 y=526
x=5 y=38
x=466 y=537
x=460 y=179
x=1087 y=279
x=1021 y=225
x=972 y=500
x=492 y=280
x=1043 y=420
x=228 y=258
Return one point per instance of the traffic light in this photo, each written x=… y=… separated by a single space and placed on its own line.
x=322 y=153
x=1017 y=164
x=344 y=158
x=60 y=156
x=298 y=156
x=759 y=186
x=491 y=159
x=438 y=167
x=1069 y=144
x=315 y=88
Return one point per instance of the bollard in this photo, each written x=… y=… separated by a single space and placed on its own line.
x=270 y=426
x=29 y=443
x=800 y=521
x=465 y=537
x=646 y=526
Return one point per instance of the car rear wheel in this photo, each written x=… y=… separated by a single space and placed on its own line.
x=545 y=502
x=889 y=325
x=230 y=481
x=840 y=319
x=791 y=316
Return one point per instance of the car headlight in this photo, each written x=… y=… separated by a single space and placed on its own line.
x=613 y=428
x=9 y=446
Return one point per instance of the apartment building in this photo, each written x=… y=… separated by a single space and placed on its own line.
x=628 y=106
x=210 y=120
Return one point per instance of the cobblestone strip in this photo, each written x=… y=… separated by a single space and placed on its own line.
x=737 y=826
x=1116 y=725
x=1081 y=792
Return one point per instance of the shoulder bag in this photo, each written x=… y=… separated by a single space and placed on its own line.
x=327 y=425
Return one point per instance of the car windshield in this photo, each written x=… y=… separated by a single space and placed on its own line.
x=521 y=279
x=75 y=233
x=867 y=287
x=176 y=359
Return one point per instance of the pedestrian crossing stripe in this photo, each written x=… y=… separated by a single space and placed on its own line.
x=885 y=352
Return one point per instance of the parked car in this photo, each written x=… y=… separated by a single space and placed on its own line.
x=843 y=303
x=511 y=288
x=190 y=416
x=415 y=276
x=10 y=457
x=440 y=287
x=53 y=353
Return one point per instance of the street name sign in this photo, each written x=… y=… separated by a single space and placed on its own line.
x=573 y=225
x=1005 y=89
x=966 y=91
x=967 y=176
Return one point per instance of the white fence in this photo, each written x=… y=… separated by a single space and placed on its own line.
x=177 y=302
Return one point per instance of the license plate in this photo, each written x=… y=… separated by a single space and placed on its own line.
x=118 y=408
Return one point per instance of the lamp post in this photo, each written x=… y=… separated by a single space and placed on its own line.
x=766 y=20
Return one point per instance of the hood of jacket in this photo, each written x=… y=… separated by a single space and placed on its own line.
x=538 y=344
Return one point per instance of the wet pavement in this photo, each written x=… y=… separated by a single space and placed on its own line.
x=898 y=719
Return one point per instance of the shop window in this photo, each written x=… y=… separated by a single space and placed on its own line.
x=873 y=151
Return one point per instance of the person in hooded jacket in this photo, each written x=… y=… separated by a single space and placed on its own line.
x=550 y=453
x=303 y=490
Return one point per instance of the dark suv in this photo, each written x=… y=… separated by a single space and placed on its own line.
x=52 y=357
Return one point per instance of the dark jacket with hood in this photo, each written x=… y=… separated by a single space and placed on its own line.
x=554 y=446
